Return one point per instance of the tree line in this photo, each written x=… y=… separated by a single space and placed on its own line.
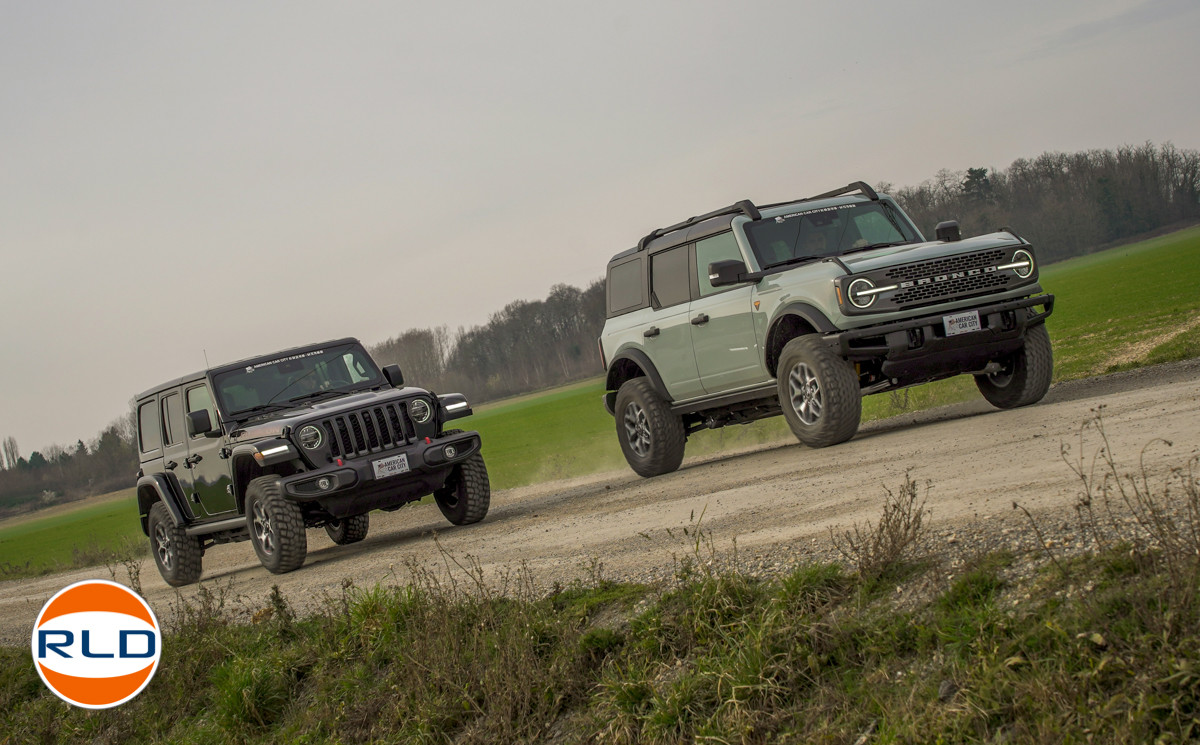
x=1066 y=204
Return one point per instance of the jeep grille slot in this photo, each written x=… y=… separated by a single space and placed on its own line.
x=369 y=430
x=949 y=278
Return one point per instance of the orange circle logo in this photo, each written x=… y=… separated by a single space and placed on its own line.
x=96 y=644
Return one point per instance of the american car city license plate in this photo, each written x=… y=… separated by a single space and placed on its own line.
x=962 y=323
x=385 y=467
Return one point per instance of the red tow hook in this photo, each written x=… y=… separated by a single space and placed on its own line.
x=428 y=441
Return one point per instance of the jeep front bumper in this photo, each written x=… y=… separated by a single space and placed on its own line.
x=919 y=349
x=384 y=479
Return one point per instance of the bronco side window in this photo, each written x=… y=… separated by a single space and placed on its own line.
x=721 y=247
x=669 y=280
x=625 y=287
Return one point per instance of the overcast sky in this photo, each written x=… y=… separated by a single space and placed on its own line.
x=233 y=178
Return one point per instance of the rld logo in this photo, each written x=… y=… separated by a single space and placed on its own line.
x=96 y=644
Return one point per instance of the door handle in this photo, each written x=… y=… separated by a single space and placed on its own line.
x=652 y=331
x=700 y=319
x=170 y=465
x=192 y=460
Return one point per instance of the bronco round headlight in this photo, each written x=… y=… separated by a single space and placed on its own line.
x=859 y=300
x=310 y=437
x=1022 y=256
x=420 y=411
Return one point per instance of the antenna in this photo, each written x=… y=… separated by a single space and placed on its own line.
x=205 y=358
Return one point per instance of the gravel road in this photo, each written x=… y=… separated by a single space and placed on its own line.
x=778 y=502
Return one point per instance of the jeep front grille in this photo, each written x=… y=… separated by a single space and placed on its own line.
x=949 y=278
x=371 y=430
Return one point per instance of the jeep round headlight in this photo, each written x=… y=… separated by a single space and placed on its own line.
x=310 y=437
x=1021 y=256
x=420 y=411
x=858 y=286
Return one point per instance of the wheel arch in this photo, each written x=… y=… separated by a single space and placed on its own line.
x=157 y=488
x=796 y=319
x=630 y=364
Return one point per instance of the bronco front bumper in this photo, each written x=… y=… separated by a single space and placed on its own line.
x=919 y=349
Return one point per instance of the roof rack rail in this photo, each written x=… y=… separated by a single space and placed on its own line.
x=744 y=207
x=858 y=186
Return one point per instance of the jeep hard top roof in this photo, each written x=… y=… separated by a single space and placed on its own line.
x=718 y=221
x=243 y=363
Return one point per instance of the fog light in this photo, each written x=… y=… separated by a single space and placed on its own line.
x=324 y=483
x=450 y=451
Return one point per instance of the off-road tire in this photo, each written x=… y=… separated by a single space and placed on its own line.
x=467 y=494
x=348 y=530
x=1026 y=374
x=176 y=554
x=652 y=437
x=818 y=392
x=276 y=526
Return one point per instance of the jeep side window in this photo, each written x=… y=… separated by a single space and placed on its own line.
x=172 y=411
x=199 y=399
x=721 y=247
x=149 y=439
x=669 y=280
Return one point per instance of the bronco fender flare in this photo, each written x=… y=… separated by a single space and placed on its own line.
x=618 y=373
x=788 y=319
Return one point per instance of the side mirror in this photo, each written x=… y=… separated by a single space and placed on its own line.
x=395 y=378
x=726 y=273
x=947 y=231
x=200 y=423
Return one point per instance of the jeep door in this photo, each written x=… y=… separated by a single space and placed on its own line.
x=174 y=447
x=206 y=477
x=668 y=331
x=726 y=346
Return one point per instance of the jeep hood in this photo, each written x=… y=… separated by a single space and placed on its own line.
x=879 y=258
x=272 y=424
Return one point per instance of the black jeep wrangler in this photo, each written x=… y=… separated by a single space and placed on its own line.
x=316 y=436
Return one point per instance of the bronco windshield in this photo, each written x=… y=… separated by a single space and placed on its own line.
x=827 y=231
x=274 y=382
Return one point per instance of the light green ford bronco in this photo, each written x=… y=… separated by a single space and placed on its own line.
x=803 y=307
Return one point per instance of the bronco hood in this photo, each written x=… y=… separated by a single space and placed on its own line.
x=883 y=257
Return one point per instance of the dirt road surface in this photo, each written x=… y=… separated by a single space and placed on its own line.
x=778 y=500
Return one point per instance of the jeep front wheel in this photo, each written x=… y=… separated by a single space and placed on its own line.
x=176 y=554
x=651 y=435
x=1024 y=376
x=349 y=530
x=467 y=494
x=276 y=526
x=818 y=393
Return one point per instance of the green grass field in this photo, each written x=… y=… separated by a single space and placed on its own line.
x=82 y=536
x=1116 y=309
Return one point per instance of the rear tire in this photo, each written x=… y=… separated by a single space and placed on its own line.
x=818 y=393
x=276 y=526
x=348 y=530
x=176 y=554
x=467 y=494
x=1026 y=374
x=652 y=437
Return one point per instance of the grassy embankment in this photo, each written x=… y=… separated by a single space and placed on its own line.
x=1115 y=310
x=1098 y=647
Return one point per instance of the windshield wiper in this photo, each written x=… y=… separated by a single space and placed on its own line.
x=245 y=414
x=856 y=249
x=793 y=261
x=315 y=394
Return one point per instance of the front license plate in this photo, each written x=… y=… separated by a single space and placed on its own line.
x=962 y=323
x=385 y=467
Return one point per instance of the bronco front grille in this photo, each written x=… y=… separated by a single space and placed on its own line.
x=949 y=278
x=370 y=430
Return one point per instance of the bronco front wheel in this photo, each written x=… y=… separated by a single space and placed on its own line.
x=818 y=393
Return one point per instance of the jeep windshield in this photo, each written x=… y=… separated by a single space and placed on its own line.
x=803 y=235
x=270 y=383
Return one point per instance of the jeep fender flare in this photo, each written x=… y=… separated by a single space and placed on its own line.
x=790 y=321
x=244 y=469
x=628 y=364
x=158 y=488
